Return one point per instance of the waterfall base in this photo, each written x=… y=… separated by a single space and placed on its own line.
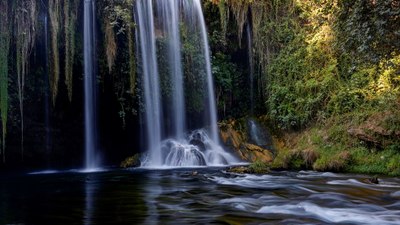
x=196 y=150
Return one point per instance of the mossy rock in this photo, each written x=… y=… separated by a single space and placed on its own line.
x=132 y=161
x=257 y=167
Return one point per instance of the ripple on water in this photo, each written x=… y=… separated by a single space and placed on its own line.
x=358 y=183
x=254 y=181
x=363 y=215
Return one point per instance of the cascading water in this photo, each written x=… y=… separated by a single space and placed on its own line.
x=90 y=87
x=196 y=148
x=151 y=86
x=168 y=11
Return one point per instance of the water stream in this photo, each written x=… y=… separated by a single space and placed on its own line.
x=197 y=196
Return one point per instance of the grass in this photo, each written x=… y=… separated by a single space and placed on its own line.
x=259 y=167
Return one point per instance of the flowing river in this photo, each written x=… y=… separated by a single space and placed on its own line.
x=196 y=196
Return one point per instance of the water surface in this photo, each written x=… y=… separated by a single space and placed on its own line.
x=208 y=196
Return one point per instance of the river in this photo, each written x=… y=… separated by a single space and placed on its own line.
x=196 y=196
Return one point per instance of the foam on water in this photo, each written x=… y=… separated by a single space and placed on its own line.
x=335 y=215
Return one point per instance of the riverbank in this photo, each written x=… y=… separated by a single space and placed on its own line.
x=363 y=141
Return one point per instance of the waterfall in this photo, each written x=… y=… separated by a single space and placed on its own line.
x=259 y=136
x=90 y=87
x=183 y=147
x=168 y=11
x=151 y=86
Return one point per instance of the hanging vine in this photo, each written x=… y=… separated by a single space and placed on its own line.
x=70 y=17
x=54 y=77
x=4 y=45
x=25 y=27
x=240 y=9
x=111 y=44
x=119 y=21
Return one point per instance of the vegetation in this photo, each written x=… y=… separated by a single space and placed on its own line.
x=330 y=78
x=4 y=45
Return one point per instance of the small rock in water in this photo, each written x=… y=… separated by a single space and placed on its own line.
x=239 y=169
x=372 y=180
x=194 y=173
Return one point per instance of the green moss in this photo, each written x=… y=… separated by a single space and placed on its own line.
x=133 y=161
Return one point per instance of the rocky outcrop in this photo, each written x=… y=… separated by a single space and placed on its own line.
x=237 y=140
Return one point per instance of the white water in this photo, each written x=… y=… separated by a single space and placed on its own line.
x=91 y=158
x=178 y=149
x=198 y=12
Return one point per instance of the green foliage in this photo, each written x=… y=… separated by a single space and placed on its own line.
x=369 y=30
x=259 y=167
x=229 y=86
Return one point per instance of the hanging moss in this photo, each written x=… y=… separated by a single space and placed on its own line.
x=110 y=42
x=240 y=10
x=224 y=16
x=54 y=76
x=4 y=45
x=70 y=17
x=25 y=26
x=132 y=62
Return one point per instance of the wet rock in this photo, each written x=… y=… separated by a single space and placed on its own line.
x=254 y=168
x=372 y=180
x=239 y=169
x=237 y=141
x=199 y=144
